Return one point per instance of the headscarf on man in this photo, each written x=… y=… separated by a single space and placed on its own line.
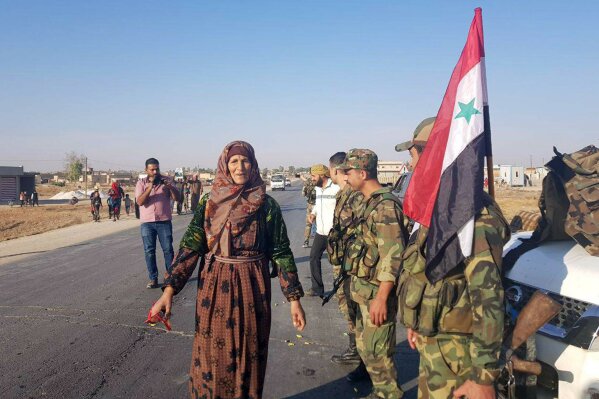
x=320 y=170
x=230 y=205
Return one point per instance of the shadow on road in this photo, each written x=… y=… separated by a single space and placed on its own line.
x=341 y=388
x=41 y=252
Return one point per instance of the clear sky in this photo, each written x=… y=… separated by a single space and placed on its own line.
x=121 y=81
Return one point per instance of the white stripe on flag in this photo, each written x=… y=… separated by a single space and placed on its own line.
x=484 y=80
x=466 y=237
x=463 y=132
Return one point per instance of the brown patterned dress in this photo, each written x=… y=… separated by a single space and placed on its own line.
x=233 y=313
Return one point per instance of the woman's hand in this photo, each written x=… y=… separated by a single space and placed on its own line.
x=298 y=317
x=164 y=303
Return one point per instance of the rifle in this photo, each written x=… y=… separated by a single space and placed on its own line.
x=338 y=282
x=539 y=310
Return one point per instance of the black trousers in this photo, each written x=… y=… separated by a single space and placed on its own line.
x=318 y=247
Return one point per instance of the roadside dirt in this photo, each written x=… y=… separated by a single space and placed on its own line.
x=513 y=200
x=19 y=222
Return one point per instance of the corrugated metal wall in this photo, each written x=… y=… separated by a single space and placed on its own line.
x=8 y=188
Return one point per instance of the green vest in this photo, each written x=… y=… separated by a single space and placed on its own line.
x=431 y=308
x=361 y=253
x=442 y=307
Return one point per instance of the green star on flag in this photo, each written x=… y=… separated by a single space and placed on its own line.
x=467 y=110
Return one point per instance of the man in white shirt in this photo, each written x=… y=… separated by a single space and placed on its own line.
x=322 y=214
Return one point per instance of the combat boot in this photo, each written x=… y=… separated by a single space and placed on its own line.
x=350 y=355
x=359 y=374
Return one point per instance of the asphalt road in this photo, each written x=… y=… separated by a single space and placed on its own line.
x=72 y=326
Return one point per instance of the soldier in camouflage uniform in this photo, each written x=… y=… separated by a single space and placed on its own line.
x=348 y=208
x=308 y=191
x=373 y=260
x=456 y=323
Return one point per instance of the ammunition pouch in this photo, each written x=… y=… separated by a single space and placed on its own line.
x=335 y=247
x=360 y=258
x=429 y=309
x=351 y=257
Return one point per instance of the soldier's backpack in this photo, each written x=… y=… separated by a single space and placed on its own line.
x=569 y=203
x=581 y=180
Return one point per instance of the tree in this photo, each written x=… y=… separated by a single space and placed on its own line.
x=73 y=164
x=291 y=170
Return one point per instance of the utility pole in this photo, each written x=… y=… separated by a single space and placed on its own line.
x=85 y=177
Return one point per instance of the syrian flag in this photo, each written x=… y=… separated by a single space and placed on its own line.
x=446 y=190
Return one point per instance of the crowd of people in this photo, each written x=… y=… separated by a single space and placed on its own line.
x=29 y=199
x=186 y=199
x=455 y=321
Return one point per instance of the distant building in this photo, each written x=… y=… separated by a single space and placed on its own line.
x=95 y=178
x=536 y=175
x=513 y=176
x=13 y=180
x=205 y=176
x=389 y=171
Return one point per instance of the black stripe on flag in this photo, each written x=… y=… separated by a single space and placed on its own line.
x=461 y=196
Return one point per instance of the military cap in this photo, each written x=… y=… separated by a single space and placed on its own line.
x=420 y=136
x=359 y=158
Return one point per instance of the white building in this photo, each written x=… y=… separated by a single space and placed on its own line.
x=513 y=176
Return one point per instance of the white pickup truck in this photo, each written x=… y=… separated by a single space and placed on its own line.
x=567 y=346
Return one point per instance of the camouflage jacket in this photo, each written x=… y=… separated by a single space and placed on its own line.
x=374 y=255
x=349 y=206
x=309 y=191
x=467 y=301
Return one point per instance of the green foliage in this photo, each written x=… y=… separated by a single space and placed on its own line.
x=74 y=166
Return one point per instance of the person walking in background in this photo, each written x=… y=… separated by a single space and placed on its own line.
x=186 y=197
x=35 y=198
x=196 y=192
x=109 y=204
x=96 y=204
x=322 y=214
x=153 y=195
x=309 y=192
x=180 y=185
x=127 y=204
x=115 y=194
x=22 y=198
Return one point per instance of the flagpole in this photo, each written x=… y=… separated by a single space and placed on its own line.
x=489 y=151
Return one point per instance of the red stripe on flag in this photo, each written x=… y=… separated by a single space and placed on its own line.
x=422 y=192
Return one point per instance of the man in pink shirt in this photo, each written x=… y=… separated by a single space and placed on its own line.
x=153 y=195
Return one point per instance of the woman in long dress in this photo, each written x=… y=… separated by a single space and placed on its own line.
x=236 y=230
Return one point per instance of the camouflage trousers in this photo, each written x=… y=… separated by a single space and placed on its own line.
x=376 y=346
x=445 y=364
x=308 y=229
x=347 y=307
